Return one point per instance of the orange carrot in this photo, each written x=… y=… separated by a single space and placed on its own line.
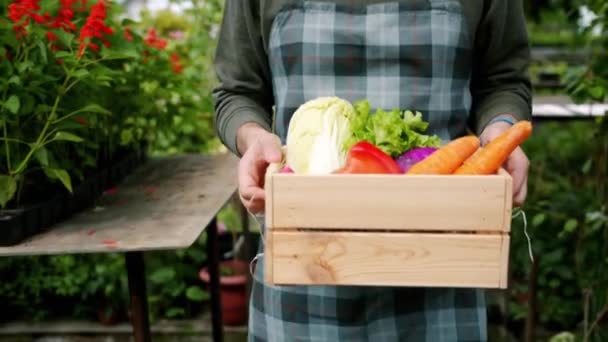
x=448 y=158
x=491 y=157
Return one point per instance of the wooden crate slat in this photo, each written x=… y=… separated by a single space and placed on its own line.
x=452 y=203
x=390 y=259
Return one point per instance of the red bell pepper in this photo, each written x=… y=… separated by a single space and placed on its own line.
x=365 y=157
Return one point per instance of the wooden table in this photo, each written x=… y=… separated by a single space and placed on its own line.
x=165 y=204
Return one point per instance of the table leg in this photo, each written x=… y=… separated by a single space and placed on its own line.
x=214 y=281
x=139 y=300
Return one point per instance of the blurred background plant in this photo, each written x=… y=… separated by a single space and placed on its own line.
x=567 y=289
x=79 y=85
x=166 y=102
x=148 y=87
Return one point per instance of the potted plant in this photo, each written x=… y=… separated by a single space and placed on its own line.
x=233 y=271
x=70 y=126
x=233 y=290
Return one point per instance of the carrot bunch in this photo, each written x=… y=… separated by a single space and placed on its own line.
x=463 y=156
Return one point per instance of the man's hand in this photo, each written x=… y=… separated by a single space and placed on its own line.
x=259 y=148
x=516 y=165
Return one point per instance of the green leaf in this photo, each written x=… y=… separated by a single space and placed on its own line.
x=597 y=92
x=123 y=54
x=587 y=166
x=570 y=225
x=175 y=312
x=62 y=175
x=197 y=255
x=8 y=187
x=80 y=73
x=65 y=37
x=162 y=275
x=12 y=104
x=126 y=136
x=128 y=22
x=538 y=219
x=23 y=66
x=67 y=137
x=63 y=54
x=42 y=155
x=95 y=108
x=14 y=80
x=196 y=294
x=42 y=48
x=393 y=131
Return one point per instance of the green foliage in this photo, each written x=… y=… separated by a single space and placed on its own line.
x=36 y=288
x=568 y=224
x=128 y=95
x=175 y=290
x=64 y=103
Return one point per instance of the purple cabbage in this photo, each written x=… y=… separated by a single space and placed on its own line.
x=411 y=157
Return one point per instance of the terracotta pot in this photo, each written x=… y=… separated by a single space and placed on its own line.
x=233 y=291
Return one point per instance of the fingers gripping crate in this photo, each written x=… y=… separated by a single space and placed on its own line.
x=391 y=230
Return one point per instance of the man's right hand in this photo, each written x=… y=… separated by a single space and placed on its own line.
x=258 y=148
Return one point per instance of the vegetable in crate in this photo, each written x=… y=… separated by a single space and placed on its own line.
x=365 y=158
x=413 y=156
x=317 y=134
x=448 y=158
x=491 y=157
x=394 y=132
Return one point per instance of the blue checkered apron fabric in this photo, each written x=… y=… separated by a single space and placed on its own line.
x=414 y=55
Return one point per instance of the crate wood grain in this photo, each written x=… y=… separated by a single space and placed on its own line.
x=454 y=203
x=388 y=230
x=387 y=259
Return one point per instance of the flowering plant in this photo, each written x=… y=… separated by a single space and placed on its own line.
x=77 y=87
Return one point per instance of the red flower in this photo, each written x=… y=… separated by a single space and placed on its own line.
x=128 y=36
x=23 y=8
x=152 y=40
x=176 y=65
x=94 y=27
x=20 y=9
x=51 y=36
x=81 y=120
x=65 y=15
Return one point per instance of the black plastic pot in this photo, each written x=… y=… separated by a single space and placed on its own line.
x=11 y=226
x=19 y=224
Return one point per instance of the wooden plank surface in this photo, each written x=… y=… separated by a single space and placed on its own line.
x=446 y=203
x=391 y=259
x=164 y=204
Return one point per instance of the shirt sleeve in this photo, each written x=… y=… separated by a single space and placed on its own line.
x=500 y=81
x=244 y=92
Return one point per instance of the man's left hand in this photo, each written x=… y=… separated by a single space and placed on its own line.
x=516 y=165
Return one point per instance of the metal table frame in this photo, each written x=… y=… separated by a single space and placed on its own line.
x=138 y=293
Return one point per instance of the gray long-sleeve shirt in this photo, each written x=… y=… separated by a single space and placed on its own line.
x=500 y=82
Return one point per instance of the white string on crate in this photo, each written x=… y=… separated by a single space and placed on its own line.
x=257 y=216
x=521 y=213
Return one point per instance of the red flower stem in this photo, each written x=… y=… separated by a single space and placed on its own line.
x=68 y=115
x=42 y=137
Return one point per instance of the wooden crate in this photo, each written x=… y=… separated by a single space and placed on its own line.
x=394 y=230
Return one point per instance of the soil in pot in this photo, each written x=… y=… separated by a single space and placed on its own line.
x=233 y=290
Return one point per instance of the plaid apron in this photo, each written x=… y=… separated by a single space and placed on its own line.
x=412 y=54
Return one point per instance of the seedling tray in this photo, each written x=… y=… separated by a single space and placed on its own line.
x=19 y=224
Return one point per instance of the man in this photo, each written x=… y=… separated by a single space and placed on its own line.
x=462 y=63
